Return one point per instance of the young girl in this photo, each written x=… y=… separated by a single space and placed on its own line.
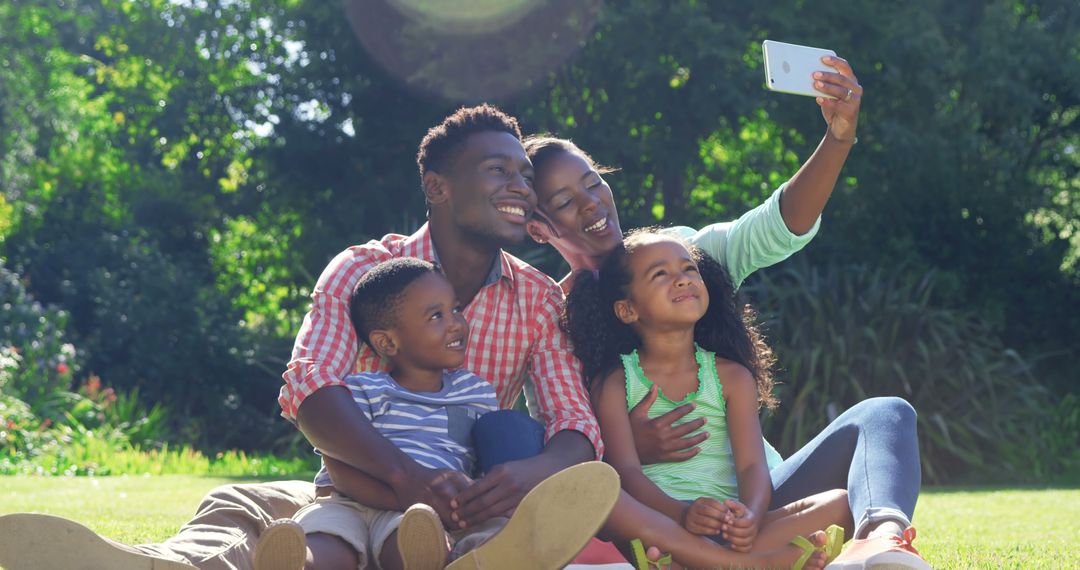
x=659 y=315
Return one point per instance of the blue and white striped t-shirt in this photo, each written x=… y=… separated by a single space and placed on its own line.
x=433 y=428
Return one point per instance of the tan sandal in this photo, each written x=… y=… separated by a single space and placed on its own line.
x=552 y=524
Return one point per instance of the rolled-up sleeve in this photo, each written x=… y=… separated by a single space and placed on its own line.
x=326 y=347
x=561 y=400
x=759 y=238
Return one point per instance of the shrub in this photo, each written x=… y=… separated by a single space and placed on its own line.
x=23 y=436
x=152 y=324
x=1059 y=433
x=843 y=334
x=36 y=361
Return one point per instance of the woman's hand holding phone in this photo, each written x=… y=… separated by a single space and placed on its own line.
x=842 y=112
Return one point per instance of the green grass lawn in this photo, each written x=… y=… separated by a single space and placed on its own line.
x=958 y=528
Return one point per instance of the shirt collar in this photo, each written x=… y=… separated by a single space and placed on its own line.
x=420 y=244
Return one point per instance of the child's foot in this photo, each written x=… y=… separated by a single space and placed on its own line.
x=421 y=539
x=282 y=546
x=31 y=541
x=817 y=558
x=553 y=522
x=649 y=558
x=883 y=550
x=804 y=553
x=654 y=556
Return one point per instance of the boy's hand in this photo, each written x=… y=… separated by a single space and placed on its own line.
x=658 y=440
x=433 y=487
x=741 y=527
x=705 y=516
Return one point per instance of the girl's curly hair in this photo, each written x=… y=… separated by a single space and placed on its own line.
x=599 y=337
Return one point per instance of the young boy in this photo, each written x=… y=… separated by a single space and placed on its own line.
x=406 y=311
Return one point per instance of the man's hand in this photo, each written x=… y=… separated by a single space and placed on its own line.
x=657 y=440
x=741 y=527
x=433 y=487
x=499 y=492
x=705 y=516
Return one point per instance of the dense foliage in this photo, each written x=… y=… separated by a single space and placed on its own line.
x=846 y=333
x=175 y=174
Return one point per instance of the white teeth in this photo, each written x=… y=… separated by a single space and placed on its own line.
x=597 y=226
x=512 y=210
x=454 y=344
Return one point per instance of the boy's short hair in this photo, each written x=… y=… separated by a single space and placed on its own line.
x=443 y=141
x=376 y=299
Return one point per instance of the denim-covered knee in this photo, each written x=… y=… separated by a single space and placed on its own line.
x=506 y=419
x=891 y=408
x=506 y=435
x=899 y=407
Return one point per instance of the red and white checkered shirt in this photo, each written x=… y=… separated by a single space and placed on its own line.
x=514 y=331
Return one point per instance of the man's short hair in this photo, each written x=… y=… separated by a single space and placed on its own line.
x=376 y=300
x=444 y=140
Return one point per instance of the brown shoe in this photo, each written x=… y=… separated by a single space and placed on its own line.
x=421 y=539
x=32 y=541
x=552 y=524
x=282 y=546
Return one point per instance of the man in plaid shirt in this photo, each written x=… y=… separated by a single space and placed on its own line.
x=477 y=181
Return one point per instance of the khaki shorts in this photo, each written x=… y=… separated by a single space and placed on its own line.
x=366 y=529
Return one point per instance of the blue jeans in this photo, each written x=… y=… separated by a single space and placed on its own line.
x=872 y=451
x=506 y=435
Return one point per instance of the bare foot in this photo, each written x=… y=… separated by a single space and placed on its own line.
x=788 y=555
x=653 y=555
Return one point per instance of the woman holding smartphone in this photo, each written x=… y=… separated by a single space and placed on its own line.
x=870 y=450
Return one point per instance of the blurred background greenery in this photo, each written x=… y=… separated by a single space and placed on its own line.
x=176 y=173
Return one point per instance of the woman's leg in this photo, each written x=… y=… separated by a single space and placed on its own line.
x=872 y=451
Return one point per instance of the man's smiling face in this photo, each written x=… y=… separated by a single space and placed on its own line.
x=490 y=187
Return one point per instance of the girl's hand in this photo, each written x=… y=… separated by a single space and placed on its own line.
x=705 y=516
x=842 y=113
x=742 y=527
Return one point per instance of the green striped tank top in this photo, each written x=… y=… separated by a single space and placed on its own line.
x=710 y=473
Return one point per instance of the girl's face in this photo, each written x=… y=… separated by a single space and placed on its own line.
x=577 y=206
x=666 y=288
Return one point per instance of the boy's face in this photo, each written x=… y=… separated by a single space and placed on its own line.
x=490 y=185
x=431 y=331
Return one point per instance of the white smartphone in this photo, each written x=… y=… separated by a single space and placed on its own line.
x=789 y=68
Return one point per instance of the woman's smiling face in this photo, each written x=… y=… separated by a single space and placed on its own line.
x=575 y=208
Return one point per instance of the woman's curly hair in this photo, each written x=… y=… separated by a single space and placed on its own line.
x=599 y=337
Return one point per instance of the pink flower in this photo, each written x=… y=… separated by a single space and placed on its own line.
x=62 y=368
x=92 y=386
